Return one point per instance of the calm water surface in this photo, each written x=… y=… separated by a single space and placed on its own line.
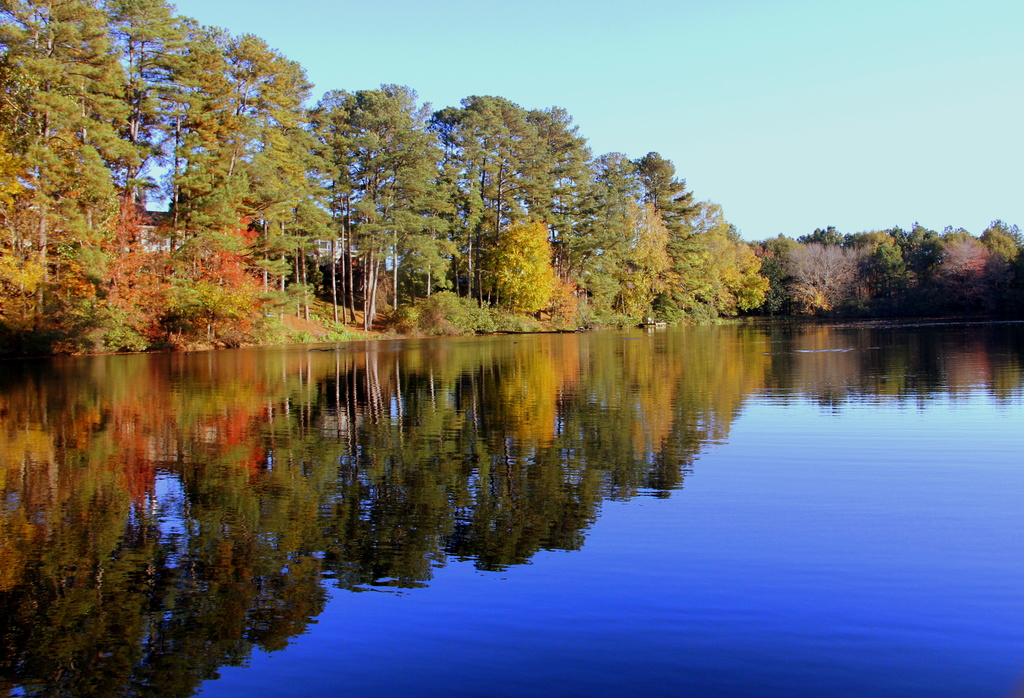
x=733 y=511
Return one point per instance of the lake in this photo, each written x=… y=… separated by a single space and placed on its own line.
x=738 y=510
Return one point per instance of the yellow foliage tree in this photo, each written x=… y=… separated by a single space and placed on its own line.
x=727 y=278
x=734 y=272
x=524 y=276
x=19 y=280
x=12 y=169
x=645 y=261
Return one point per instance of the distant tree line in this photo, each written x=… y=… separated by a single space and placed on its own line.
x=895 y=272
x=377 y=206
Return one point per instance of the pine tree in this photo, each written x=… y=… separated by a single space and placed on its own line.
x=490 y=148
x=150 y=40
x=599 y=253
x=64 y=78
x=662 y=190
x=384 y=166
x=209 y=134
x=561 y=177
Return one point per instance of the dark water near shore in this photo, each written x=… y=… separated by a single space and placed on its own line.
x=769 y=510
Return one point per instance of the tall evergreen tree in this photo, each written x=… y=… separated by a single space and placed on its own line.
x=150 y=41
x=598 y=254
x=385 y=163
x=64 y=77
x=210 y=132
x=665 y=192
x=491 y=149
x=561 y=178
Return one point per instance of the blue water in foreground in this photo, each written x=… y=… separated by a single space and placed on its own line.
x=749 y=510
x=875 y=550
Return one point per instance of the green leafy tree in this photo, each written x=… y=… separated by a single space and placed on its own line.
x=560 y=181
x=211 y=131
x=885 y=271
x=823 y=236
x=384 y=166
x=665 y=192
x=922 y=250
x=492 y=167
x=61 y=78
x=598 y=255
x=1003 y=240
x=774 y=254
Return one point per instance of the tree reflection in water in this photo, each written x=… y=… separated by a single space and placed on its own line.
x=162 y=515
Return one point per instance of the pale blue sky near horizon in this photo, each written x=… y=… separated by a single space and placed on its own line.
x=791 y=114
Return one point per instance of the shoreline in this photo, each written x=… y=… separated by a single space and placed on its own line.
x=909 y=322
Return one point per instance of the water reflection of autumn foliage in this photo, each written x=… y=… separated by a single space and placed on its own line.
x=162 y=515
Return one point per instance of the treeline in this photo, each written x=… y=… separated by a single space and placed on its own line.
x=895 y=272
x=377 y=207
x=367 y=199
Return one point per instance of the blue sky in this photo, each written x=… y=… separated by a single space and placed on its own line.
x=792 y=115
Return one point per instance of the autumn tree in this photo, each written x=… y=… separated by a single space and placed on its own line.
x=239 y=167
x=645 y=261
x=823 y=276
x=732 y=271
x=687 y=247
x=971 y=274
x=524 y=277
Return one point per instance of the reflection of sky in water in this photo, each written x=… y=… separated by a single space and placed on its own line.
x=172 y=521
x=871 y=550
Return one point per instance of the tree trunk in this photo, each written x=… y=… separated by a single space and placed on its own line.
x=469 y=270
x=394 y=257
x=369 y=291
x=334 y=278
x=43 y=242
x=305 y=289
x=349 y=276
x=298 y=308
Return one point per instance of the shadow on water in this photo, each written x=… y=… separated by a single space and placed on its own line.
x=162 y=515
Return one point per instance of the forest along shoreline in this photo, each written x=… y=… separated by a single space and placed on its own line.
x=189 y=193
